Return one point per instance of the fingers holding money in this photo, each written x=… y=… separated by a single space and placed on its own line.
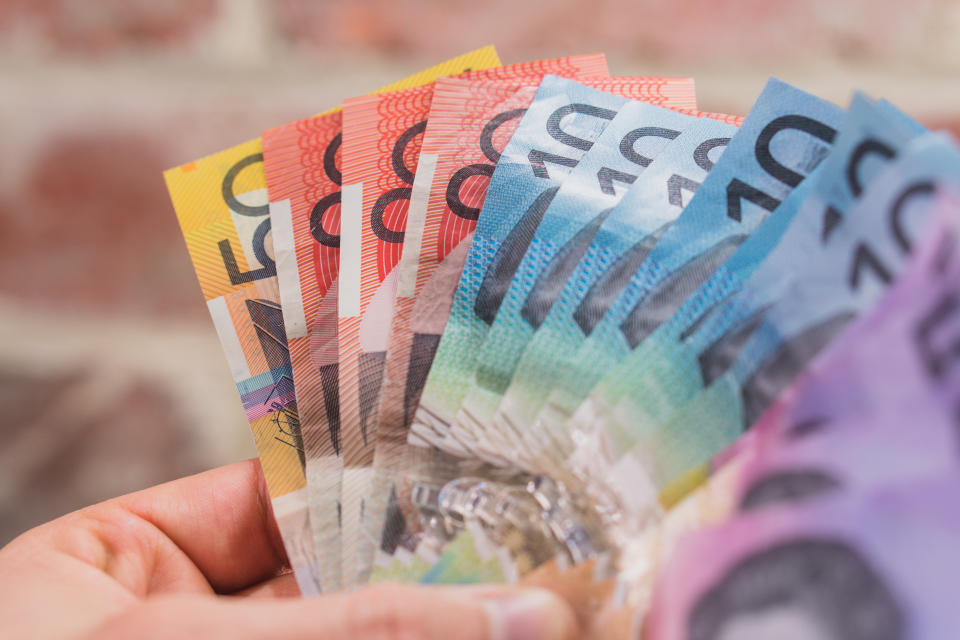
x=385 y=612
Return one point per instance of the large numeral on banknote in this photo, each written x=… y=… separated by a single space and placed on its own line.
x=330 y=160
x=607 y=176
x=870 y=146
x=269 y=269
x=331 y=200
x=628 y=144
x=497 y=279
x=377 y=222
x=661 y=303
x=716 y=359
x=317 y=230
x=737 y=190
x=677 y=184
x=553 y=278
x=538 y=159
x=459 y=178
x=323 y=331
x=609 y=286
x=786 y=363
x=865 y=259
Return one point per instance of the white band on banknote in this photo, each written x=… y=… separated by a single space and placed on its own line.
x=351 y=230
x=288 y=503
x=288 y=272
x=416 y=217
x=357 y=483
x=229 y=340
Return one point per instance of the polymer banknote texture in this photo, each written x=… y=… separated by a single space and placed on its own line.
x=221 y=203
x=634 y=137
x=861 y=565
x=469 y=121
x=208 y=202
x=785 y=136
x=527 y=177
x=801 y=315
x=620 y=243
x=666 y=368
x=383 y=135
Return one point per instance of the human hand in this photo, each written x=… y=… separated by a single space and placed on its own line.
x=201 y=557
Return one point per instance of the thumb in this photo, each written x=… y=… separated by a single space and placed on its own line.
x=382 y=612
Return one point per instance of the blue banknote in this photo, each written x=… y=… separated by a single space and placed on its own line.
x=664 y=369
x=625 y=236
x=784 y=137
x=559 y=127
x=787 y=314
x=635 y=136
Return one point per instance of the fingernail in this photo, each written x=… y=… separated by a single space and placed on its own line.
x=528 y=614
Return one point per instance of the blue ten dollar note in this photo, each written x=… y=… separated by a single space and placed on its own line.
x=624 y=238
x=788 y=315
x=560 y=126
x=664 y=371
x=636 y=135
x=784 y=137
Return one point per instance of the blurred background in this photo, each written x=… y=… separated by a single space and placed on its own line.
x=111 y=376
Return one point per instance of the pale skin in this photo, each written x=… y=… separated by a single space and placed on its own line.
x=201 y=557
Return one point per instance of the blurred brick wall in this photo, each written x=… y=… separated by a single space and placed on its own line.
x=110 y=374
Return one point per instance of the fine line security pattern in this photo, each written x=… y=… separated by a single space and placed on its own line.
x=593 y=321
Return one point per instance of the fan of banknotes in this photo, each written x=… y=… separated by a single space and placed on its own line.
x=535 y=323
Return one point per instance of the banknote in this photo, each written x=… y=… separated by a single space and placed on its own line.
x=847 y=389
x=858 y=454
x=663 y=370
x=799 y=315
x=303 y=172
x=635 y=136
x=878 y=564
x=468 y=126
x=221 y=204
x=383 y=135
x=914 y=321
x=301 y=166
x=651 y=204
x=396 y=116
x=631 y=143
x=559 y=127
x=469 y=121
x=846 y=424
x=784 y=137
x=566 y=234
